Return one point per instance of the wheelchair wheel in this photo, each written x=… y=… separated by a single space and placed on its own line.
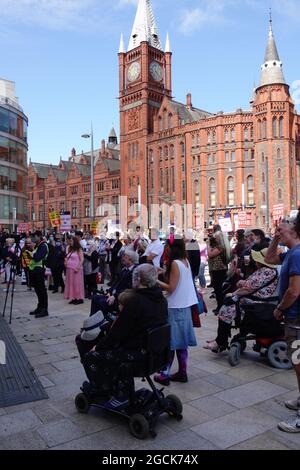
x=174 y=406
x=277 y=355
x=139 y=426
x=82 y=403
x=234 y=356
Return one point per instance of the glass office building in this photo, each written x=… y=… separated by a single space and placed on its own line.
x=13 y=158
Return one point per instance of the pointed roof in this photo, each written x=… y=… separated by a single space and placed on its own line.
x=272 y=71
x=122 y=45
x=144 y=27
x=112 y=133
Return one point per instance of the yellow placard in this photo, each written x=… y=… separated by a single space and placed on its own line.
x=54 y=219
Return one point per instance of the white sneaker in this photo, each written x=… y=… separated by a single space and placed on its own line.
x=290 y=425
x=293 y=404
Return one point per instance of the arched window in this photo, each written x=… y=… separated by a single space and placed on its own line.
x=246 y=133
x=264 y=125
x=226 y=135
x=182 y=148
x=172 y=151
x=233 y=134
x=194 y=161
x=167 y=180
x=259 y=129
x=279 y=175
x=278 y=154
x=170 y=121
x=279 y=194
x=281 y=133
x=165 y=119
x=212 y=192
x=160 y=151
x=250 y=190
x=208 y=138
x=161 y=174
x=151 y=156
x=160 y=123
x=196 y=187
x=263 y=157
x=214 y=137
x=251 y=133
x=198 y=160
x=274 y=126
x=230 y=191
x=166 y=152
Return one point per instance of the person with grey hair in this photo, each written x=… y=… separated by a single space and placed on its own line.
x=147 y=308
x=109 y=303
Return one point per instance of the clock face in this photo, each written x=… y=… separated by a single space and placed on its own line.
x=156 y=71
x=134 y=71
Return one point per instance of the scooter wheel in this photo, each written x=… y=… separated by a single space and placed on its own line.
x=139 y=426
x=234 y=356
x=174 y=406
x=82 y=403
x=277 y=355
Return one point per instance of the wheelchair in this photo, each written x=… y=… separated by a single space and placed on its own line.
x=142 y=407
x=267 y=334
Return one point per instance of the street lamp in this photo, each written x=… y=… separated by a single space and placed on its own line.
x=91 y=136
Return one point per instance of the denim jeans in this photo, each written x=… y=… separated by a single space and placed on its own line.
x=201 y=276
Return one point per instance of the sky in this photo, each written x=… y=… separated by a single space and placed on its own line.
x=63 y=57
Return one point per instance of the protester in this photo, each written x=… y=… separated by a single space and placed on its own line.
x=288 y=309
x=25 y=260
x=193 y=252
x=219 y=256
x=58 y=264
x=74 y=288
x=154 y=250
x=37 y=274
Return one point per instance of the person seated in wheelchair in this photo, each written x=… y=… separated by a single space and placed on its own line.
x=109 y=303
x=259 y=288
x=125 y=341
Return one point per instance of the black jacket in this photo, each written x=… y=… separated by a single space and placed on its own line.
x=193 y=254
x=147 y=309
x=123 y=282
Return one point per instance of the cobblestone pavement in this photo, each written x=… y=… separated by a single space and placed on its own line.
x=224 y=407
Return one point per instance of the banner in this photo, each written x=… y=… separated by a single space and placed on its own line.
x=94 y=226
x=244 y=220
x=23 y=227
x=278 y=213
x=66 y=223
x=54 y=219
x=225 y=223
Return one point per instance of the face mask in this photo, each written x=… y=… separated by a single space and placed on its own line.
x=51 y=239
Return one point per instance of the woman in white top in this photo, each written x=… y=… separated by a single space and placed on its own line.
x=181 y=295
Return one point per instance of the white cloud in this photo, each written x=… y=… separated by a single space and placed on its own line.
x=124 y=3
x=210 y=11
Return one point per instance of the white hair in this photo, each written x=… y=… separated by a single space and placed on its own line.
x=132 y=255
x=144 y=275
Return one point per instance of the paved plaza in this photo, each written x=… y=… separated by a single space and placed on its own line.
x=224 y=407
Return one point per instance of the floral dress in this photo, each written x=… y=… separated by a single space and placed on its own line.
x=260 y=279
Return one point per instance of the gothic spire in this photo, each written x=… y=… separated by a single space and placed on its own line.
x=272 y=68
x=144 y=27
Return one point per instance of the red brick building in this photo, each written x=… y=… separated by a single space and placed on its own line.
x=175 y=153
x=220 y=163
x=67 y=186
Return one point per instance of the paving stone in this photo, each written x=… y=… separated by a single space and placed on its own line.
x=17 y=422
x=59 y=432
x=191 y=417
x=188 y=441
x=251 y=393
x=46 y=382
x=266 y=441
x=44 y=359
x=191 y=391
x=274 y=407
x=68 y=376
x=66 y=364
x=291 y=440
x=286 y=379
x=223 y=380
x=51 y=341
x=213 y=406
x=47 y=414
x=249 y=372
x=59 y=347
x=212 y=367
x=27 y=440
x=45 y=369
x=235 y=427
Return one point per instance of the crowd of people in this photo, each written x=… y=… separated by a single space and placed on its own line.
x=150 y=280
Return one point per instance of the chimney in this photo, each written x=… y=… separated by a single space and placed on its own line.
x=189 y=101
x=102 y=146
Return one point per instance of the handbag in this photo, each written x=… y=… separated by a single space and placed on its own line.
x=195 y=316
x=260 y=311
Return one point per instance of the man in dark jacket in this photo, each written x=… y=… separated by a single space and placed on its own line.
x=125 y=342
x=108 y=303
x=37 y=274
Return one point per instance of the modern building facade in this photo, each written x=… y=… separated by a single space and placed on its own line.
x=13 y=158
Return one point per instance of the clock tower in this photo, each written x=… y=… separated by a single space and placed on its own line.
x=145 y=79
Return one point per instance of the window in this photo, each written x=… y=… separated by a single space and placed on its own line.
x=208 y=138
x=274 y=126
x=246 y=133
x=279 y=194
x=74 y=190
x=233 y=135
x=172 y=151
x=165 y=119
x=161 y=179
x=196 y=187
x=172 y=179
x=214 y=137
x=251 y=133
x=87 y=208
x=100 y=186
x=115 y=203
x=167 y=180
x=160 y=123
x=279 y=175
x=182 y=167
x=62 y=191
x=233 y=156
x=194 y=161
x=209 y=158
x=74 y=209
x=151 y=178
x=263 y=178
x=246 y=155
x=252 y=154
x=183 y=192
x=227 y=156
x=278 y=154
x=259 y=129
x=62 y=206
x=170 y=121
x=230 y=191
x=182 y=148
x=198 y=160
x=115 y=184
x=212 y=192
x=263 y=157
x=166 y=153
x=51 y=193
x=100 y=208
x=151 y=156
x=281 y=133
x=160 y=151
x=41 y=196
x=263 y=197
x=250 y=190
x=264 y=129
x=226 y=135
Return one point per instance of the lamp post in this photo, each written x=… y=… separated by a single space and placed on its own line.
x=91 y=136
